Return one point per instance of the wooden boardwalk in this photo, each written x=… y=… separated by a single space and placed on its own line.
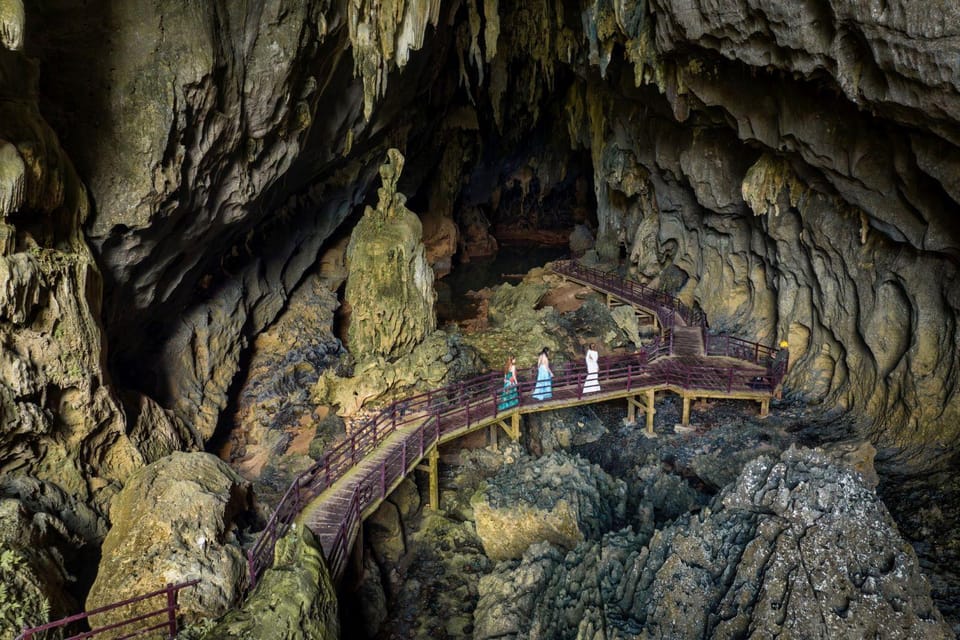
x=334 y=496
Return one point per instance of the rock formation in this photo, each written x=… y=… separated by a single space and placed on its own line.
x=558 y=498
x=390 y=284
x=33 y=575
x=61 y=421
x=790 y=168
x=174 y=521
x=687 y=124
x=294 y=600
x=796 y=546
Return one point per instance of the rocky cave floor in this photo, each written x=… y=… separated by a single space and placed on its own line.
x=432 y=589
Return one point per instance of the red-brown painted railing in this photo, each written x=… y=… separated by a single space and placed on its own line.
x=168 y=613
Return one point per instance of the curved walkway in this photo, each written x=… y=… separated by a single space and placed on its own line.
x=351 y=480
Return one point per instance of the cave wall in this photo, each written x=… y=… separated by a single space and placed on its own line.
x=792 y=170
x=791 y=155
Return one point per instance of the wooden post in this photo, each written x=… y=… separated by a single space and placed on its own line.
x=434 y=459
x=493 y=436
x=650 y=411
x=515 y=426
x=685 y=420
x=764 y=407
x=631 y=411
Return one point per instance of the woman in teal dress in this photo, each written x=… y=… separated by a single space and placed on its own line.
x=544 y=388
x=509 y=397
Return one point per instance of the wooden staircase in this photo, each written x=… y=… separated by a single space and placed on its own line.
x=688 y=341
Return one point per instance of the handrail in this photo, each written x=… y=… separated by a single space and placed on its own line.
x=170 y=591
x=666 y=307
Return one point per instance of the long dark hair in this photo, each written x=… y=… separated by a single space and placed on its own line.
x=545 y=351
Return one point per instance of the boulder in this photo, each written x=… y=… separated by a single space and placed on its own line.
x=384 y=533
x=559 y=498
x=550 y=431
x=173 y=522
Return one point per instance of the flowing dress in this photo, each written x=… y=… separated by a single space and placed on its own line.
x=544 y=388
x=509 y=397
x=592 y=383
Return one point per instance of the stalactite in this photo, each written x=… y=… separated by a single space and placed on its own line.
x=11 y=24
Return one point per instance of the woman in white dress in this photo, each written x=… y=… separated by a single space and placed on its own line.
x=592 y=383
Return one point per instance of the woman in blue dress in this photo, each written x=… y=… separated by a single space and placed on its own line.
x=509 y=397
x=544 y=388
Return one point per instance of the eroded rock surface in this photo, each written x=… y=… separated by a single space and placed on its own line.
x=390 y=284
x=797 y=545
x=34 y=579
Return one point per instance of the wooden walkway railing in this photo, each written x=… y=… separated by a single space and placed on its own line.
x=359 y=472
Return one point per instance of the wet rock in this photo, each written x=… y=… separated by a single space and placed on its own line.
x=559 y=498
x=295 y=599
x=175 y=521
x=796 y=545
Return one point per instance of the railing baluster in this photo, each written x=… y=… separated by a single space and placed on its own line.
x=172 y=610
